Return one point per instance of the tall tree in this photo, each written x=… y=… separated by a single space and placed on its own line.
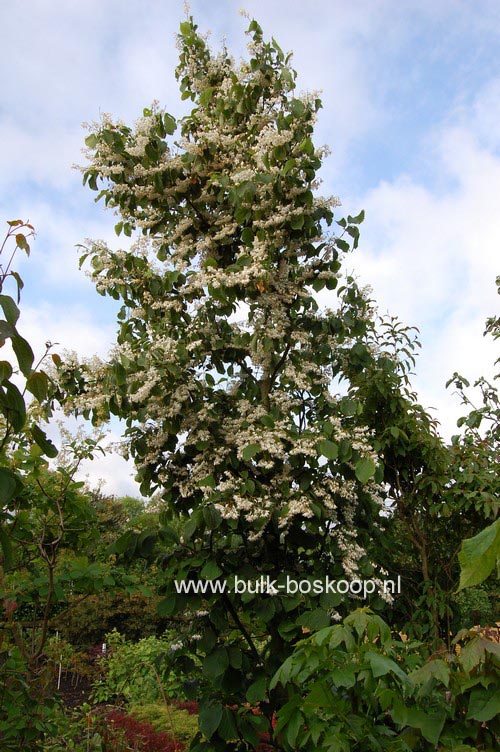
x=224 y=364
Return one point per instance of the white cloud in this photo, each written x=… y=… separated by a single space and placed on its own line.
x=111 y=473
x=72 y=328
x=432 y=257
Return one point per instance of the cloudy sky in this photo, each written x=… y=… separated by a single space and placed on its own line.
x=411 y=93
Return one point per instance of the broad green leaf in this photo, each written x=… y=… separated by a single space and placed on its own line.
x=316 y=619
x=484 y=704
x=381 y=665
x=43 y=442
x=328 y=449
x=8 y=485
x=38 y=385
x=210 y=571
x=11 y=311
x=479 y=555
x=212 y=517
x=357 y=219
x=437 y=669
x=12 y=405
x=166 y=607
x=6 y=331
x=23 y=243
x=257 y=691
x=169 y=123
x=190 y=528
x=6 y=546
x=429 y=724
x=247 y=236
x=206 y=96
x=5 y=370
x=207 y=482
x=216 y=663
x=24 y=353
x=250 y=451
x=365 y=469
x=293 y=727
x=227 y=727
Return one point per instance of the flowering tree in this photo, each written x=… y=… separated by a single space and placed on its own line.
x=224 y=365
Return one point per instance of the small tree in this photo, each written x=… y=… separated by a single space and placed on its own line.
x=224 y=365
x=42 y=514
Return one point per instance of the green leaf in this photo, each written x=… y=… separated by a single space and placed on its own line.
x=316 y=619
x=207 y=482
x=186 y=28
x=289 y=164
x=293 y=727
x=91 y=141
x=227 y=727
x=11 y=311
x=43 y=442
x=169 y=123
x=166 y=607
x=297 y=108
x=190 y=527
x=250 y=451
x=206 y=96
x=483 y=704
x=12 y=405
x=216 y=663
x=365 y=469
x=479 y=555
x=5 y=370
x=297 y=222
x=257 y=691
x=24 y=354
x=328 y=449
x=6 y=331
x=357 y=219
x=381 y=665
x=247 y=236
x=436 y=669
x=8 y=484
x=212 y=517
x=430 y=724
x=6 y=547
x=38 y=385
x=210 y=571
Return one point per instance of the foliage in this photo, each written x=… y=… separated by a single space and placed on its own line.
x=86 y=730
x=134 y=614
x=184 y=724
x=45 y=522
x=139 y=672
x=437 y=493
x=38 y=509
x=224 y=364
x=28 y=710
x=354 y=686
x=225 y=372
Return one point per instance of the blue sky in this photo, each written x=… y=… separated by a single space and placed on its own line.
x=411 y=93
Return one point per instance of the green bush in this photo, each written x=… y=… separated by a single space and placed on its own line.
x=354 y=687
x=27 y=711
x=139 y=672
x=84 y=730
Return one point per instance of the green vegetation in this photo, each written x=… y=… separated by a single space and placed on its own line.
x=273 y=439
